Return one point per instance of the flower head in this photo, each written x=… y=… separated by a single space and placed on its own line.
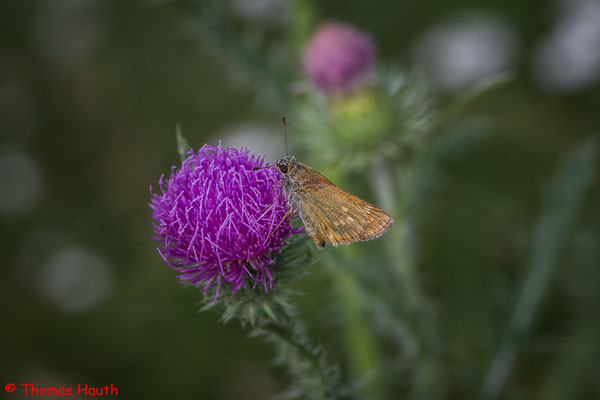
x=219 y=220
x=338 y=58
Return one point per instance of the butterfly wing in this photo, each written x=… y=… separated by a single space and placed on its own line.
x=331 y=214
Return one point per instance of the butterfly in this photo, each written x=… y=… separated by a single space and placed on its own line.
x=329 y=214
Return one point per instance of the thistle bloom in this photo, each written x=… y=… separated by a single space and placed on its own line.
x=338 y=58
x=217 y=218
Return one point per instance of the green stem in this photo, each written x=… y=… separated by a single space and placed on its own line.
x=384 y=187
x=182 y=144
x=287 y=335
x=414 y=312
x=303 y=23
x=564 y=200
x=362 y=349
x=311 y=373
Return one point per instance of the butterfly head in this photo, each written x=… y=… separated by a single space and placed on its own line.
x=286 y=164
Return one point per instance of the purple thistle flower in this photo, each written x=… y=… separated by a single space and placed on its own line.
x=216 y=219
x=339 y=58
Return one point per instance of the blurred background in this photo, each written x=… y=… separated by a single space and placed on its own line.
x=91 y=92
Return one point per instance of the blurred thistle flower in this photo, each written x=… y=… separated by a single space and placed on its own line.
x=338 y=58
x=362 y=118
x=217 y=219
x=387 y=121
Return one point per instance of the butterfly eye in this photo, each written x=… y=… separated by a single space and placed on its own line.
x=283 y=168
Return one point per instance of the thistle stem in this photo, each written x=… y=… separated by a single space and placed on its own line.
x=413 y=312
x=287 y=335
x=311 y=373
x=363 y=352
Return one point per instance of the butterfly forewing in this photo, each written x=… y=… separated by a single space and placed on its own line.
x=331 y=214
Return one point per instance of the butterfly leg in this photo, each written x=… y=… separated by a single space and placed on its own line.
x=277 y=187
x=276 y=198
x=287 y=214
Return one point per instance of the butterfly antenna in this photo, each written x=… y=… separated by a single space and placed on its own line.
x=285 y=136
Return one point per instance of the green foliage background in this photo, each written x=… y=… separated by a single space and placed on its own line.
x=102 y=130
